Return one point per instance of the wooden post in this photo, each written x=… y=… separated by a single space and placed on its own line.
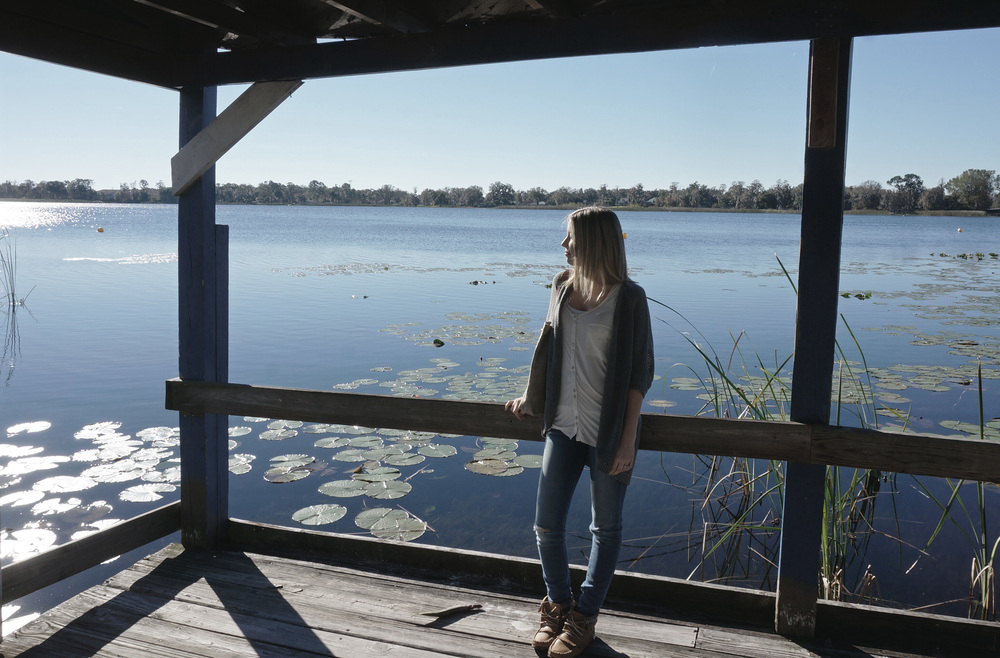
x=203 y=337
x=815 y=329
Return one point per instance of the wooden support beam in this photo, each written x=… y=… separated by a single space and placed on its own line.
x=205 y=148
x=379 y=12
x=203 y=337
x=815 y=329
x=30 y=575
x=657 y=26
x=917 y=454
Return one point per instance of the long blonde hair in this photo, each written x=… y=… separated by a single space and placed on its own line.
x=599 y=244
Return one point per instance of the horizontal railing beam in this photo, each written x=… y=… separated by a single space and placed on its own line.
x=61 y=562
x=916 y=454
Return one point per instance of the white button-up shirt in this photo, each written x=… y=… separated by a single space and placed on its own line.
x=587 y=335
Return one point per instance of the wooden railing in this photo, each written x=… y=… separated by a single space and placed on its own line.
x=916 y=454
x=56 y=564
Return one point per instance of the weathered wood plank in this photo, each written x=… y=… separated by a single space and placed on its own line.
x=228 y=604
x=815 y=328
x=202 y=336
x=204 y=149
x=917 y=454
x=670 y=595
x=317 y=591
x=30 y=575
x=657 y=26
x=916 y=632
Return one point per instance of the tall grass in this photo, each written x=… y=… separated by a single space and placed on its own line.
x=970 y=521
x=742 y=504
x=9 y=303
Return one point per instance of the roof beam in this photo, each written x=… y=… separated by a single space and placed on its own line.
x=202 y=152
x=381 y=13
x=655 y=27
x=218 y=15
x=26 y=36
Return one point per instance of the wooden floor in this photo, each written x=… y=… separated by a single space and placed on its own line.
x=222 y=604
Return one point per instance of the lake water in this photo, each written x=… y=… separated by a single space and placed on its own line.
x=353 y=298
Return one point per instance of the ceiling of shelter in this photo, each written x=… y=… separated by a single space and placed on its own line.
x=173 y=43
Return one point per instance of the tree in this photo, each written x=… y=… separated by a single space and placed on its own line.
x=317 y=192
x=501 y=194
x=471 y=196
x=974 y=188
x=906 y=196
x=866 y=195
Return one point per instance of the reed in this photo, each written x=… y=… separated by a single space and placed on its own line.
x=971 y=523
x=741 y=504
x=10 y=304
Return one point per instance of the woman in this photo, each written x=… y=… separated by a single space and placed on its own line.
x=600 y=365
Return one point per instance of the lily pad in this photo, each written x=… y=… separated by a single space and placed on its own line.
x=378 y=474
x=332 y=442
x=241 y=430
x=320 y=428
x=146 y=493
x=240 y=464
x=368 y=518
x=64 y=484
x=35 y=426
x=282 y=475
x=529 y=461
x=405 y=459
x=278 y=435
x=343 y=488
x=55 y=506
x=495 y=467
x=351 y=455
x=495 y=453
x=97 y=430
x=434 y=450
x=387 y=490
x=319 y=514
x=25 y=465
x=119 y=471
x=284 y=424
x=291 y=461
x=406 y=529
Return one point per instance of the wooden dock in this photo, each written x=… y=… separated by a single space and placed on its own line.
x=223 y=604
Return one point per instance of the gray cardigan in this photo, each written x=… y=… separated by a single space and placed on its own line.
x=630 y=365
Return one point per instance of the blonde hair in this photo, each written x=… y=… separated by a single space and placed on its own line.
x=599 y=245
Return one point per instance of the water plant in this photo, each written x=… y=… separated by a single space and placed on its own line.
x=10 y=302
x=742 y=499
x=971 y=522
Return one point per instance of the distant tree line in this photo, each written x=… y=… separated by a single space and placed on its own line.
x=973 y=189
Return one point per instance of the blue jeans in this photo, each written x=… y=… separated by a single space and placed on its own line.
x=562 y=464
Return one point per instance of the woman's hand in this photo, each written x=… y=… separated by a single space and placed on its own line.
x=624 y=455
x=514 y=406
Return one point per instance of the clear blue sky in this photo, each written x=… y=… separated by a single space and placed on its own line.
x=924 y=104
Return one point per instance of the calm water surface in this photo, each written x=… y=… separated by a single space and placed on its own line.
x=330 y=297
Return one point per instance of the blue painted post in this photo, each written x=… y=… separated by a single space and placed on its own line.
x=815 y=329
x=202 y=266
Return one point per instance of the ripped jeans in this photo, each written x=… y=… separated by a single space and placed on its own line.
x=562 y=464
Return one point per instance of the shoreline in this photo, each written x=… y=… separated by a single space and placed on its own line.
x=565 y=207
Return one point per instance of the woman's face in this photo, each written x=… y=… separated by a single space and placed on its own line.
x=569 y=246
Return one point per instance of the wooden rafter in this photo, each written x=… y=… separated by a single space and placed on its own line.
x=220 y=16
x=382 y=13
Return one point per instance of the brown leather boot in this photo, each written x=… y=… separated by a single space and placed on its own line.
x=553 y=616
x=577 y=633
